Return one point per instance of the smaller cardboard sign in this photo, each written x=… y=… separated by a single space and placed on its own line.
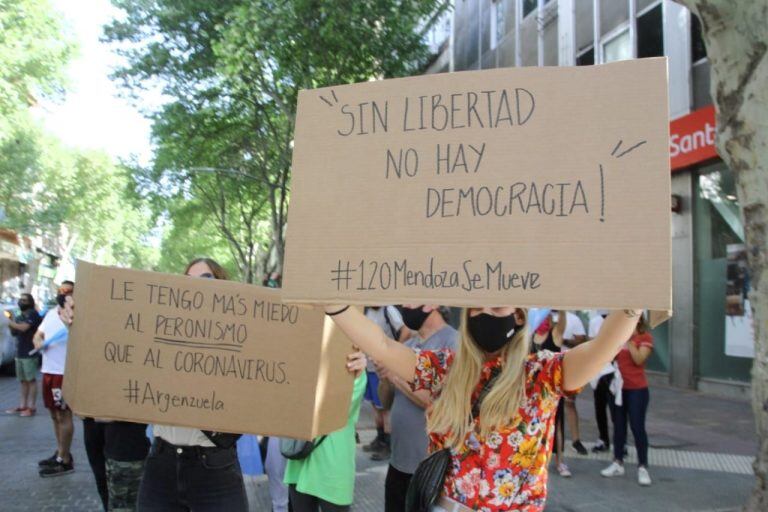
x=203 y=353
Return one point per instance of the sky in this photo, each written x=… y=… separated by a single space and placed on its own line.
x=92 y=114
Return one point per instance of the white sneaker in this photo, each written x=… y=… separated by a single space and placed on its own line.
x=615 y=469
x=643 y=478
x=563 y=470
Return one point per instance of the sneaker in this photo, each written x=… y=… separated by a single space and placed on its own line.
x=600 y=447
x=562 y=468
x=29 y=411
x=60 y=468
x=50 y=461
x=373 y=446
x=15 y=410
x=381 y=454
x=615 y=469
x=579 y=447
x=643 y=477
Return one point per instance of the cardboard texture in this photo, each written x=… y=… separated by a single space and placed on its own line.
x=530 y=186
x=203 y=353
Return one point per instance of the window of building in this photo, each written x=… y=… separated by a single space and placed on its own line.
x=530 y=5
x=497 y=23
x=650 y=33
x=722 y=279
x=698 y=50
x=617 y=47
x=586 y=58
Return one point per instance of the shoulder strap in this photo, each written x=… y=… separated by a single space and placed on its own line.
x=389 y=323
x=483 y=392
x=221 y=439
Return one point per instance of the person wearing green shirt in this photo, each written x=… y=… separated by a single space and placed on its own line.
x=325 y=481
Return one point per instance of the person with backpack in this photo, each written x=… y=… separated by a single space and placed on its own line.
x=321 y=477
x=390 y=321
x=491 y=422
x=431 y=331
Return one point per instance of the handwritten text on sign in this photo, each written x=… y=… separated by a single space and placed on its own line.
x=431 y=186
x=195 y=352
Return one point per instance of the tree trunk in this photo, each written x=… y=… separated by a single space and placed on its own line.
x=736 y=36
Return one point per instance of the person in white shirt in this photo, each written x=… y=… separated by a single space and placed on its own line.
x=391 y=322
x=574 y=335
x=54 y=358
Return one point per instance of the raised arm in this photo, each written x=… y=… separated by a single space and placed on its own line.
x=639 y=354
x=582 y=363
x=559 y=330
x=364 y=333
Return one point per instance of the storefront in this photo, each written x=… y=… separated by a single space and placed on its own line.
x=710 y=271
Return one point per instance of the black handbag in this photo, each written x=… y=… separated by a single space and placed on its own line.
x=296 y=449
x=429 y=478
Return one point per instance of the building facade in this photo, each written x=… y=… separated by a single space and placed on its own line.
x=708 y=344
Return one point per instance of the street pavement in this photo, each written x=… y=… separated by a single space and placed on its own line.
x=700 y=460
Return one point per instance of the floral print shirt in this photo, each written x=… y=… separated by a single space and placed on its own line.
x=508 y=469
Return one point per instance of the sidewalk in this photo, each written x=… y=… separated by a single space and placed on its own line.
x=701 y=451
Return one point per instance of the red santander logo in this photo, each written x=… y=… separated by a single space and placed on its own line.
x=692 y=138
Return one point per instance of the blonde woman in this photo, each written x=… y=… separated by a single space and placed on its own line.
x=499 y=456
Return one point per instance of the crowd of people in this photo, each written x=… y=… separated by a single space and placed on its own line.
x=487 y=402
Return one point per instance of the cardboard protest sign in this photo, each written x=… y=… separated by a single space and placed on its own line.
x=204 y=353
x=527 y=186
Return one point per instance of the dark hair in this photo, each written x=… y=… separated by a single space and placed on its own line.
x=445 y=312
x=642 y=325
x=29 y=297
x=217 y=270
x=70 y=283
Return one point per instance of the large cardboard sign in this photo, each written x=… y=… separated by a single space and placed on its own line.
x=216 y=355
x=525 y=186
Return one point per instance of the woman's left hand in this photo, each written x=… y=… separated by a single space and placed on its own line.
x=356 y=363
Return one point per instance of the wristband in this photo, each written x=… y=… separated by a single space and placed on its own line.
x=338 y=312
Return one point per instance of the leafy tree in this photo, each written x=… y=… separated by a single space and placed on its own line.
x=736 y=36
x=233 y=70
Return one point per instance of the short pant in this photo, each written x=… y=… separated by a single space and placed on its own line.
x=372 y=389
x=52 y=395
x=26 y=368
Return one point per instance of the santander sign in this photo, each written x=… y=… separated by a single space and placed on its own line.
x=692 y=138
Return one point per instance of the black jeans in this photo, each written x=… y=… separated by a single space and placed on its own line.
x=191 y=478
x=307 y=503
x=94 y=440
x=395 y=489
x=634 y=407
x=603 y=402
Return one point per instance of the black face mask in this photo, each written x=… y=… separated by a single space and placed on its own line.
x=24 y=306
x=413 y=318
x=490 y=332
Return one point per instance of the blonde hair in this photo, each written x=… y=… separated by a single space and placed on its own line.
x=451 y=413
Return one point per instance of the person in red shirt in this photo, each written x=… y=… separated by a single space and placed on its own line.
x=499 y=451
x=635 y=397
